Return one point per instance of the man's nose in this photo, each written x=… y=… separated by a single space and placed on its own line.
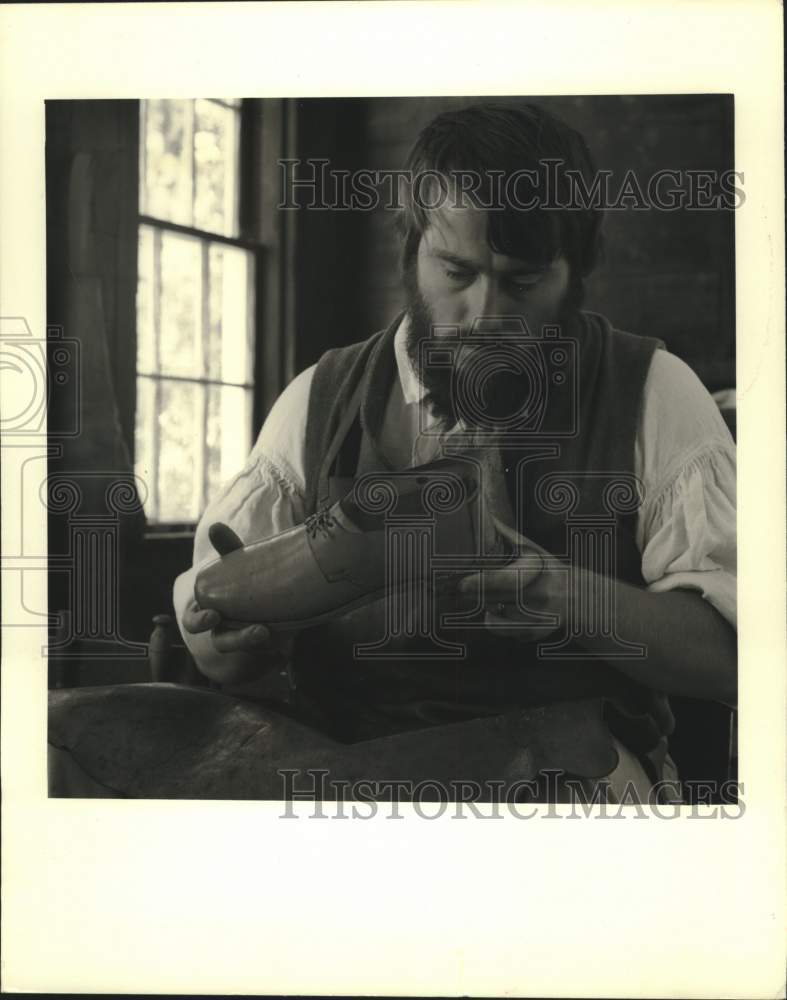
x=489 y=311
x=484 y=299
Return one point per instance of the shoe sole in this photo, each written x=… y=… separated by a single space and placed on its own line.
x=359 y=602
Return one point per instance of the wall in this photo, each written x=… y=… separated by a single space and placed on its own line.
x=665 y=274
x=329 y=297
x=92 y=171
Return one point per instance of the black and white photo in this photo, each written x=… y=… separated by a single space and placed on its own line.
x=490 y=544
x=393 y=536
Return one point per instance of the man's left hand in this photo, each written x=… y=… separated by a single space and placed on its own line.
x=525 y=599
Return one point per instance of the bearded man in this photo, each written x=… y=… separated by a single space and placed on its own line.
x=618 y=409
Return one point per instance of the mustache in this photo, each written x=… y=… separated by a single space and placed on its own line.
x=504 y=390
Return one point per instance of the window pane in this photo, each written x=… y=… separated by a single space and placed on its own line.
x=179 y=437
x=179 y=476
x=166 y=183
x=180 y=335
x=228 y=433
x=216 y=318
x=195 y=308
x=227 y=353
x=230 y=353
x=216 y=167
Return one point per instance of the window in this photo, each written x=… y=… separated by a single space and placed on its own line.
x=195 y=307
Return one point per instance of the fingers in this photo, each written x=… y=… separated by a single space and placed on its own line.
x=502 y=626
x=196 y=619
x=526 y=570
x=250 y=638
x=226 y=639
x=511 y=534
x=503 y=584
x=467 y=586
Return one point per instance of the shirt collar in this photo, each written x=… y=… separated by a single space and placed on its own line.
x=412 y=388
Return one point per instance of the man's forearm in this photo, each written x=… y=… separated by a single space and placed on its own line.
x=690 y=649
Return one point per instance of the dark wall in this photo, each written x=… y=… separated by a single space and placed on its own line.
x=91 y=254
x=91 y=164
x=665 y=274
x=92 y=176
x=329 y=295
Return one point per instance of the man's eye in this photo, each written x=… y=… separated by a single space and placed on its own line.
x=459 y=276
x=523 y=285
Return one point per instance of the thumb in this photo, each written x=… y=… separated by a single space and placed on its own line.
x=468 y=585
x=513 y=536
x=223 y=538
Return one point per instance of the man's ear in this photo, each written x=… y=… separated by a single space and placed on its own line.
x=223 y=538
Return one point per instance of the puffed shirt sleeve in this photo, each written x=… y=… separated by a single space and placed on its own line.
x=685 y=457
x=267 y=495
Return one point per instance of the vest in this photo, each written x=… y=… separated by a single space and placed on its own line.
x=574 y=468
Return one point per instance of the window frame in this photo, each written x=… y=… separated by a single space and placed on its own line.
x=250 y=239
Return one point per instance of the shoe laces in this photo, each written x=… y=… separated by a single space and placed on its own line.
x=322 y=520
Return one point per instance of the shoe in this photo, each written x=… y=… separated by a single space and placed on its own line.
x=337 y=560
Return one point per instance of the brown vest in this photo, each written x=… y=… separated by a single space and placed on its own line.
x=570 y=481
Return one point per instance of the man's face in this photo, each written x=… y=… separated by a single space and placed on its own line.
x=462 y=279
x=457 y=280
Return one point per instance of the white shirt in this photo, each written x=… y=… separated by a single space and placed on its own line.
x=684 y=457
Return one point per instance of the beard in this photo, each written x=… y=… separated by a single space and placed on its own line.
x=504 y=392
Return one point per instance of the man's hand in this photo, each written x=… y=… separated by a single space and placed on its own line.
x=530 y=590
x=690 y=649
x=232 y=639
x=224 y=653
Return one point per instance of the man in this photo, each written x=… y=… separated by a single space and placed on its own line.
x=473 y=265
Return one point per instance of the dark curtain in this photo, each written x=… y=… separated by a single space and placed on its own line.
x=95 y=517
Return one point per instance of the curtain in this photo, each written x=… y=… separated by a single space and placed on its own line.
x=95 y=516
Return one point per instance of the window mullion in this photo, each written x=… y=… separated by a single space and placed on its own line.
x=155 y=446
x=171 y=377
x=192 y=159
x=176 y=227
x=143 y=159
x=232 y=180
x=201 y=422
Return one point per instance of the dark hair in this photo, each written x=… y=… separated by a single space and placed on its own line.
x=488 y=139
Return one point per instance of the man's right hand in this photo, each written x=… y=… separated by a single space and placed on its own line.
x=233 y=639
x=224 y=653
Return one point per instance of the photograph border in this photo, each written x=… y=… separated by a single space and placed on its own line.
x=226 y=897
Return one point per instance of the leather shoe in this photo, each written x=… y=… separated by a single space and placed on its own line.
x=338 y=559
